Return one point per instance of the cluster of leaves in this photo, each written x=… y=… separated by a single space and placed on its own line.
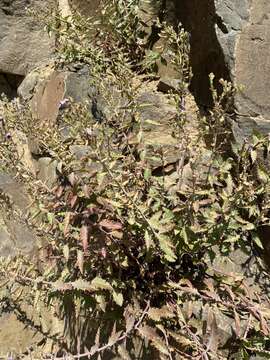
x=128 y=258
x=121 y=31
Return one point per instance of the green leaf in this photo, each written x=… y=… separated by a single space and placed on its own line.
x=147 y=174
x=167 y=247
x=154 y=221
x=100 y=299
x=118 y=298
x=66 y=252
x=157 y=314
x=50 y=217
x=148 y=239
x=100 y=284
x=262 y=175
x=253 y=155
x=257 y=240
x=83 y=285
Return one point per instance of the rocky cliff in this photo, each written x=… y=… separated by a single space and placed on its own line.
x=230 y=38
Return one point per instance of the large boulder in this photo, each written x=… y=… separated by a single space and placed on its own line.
x=23 y=42
x=252 y=69
x=231 y=38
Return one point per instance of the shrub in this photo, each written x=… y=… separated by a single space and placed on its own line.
x=127 y=258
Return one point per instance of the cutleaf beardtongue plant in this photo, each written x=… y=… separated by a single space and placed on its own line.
x=127 y=261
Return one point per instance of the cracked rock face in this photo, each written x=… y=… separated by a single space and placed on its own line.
x=252 y=69
x=231 y=38
x=245 y=41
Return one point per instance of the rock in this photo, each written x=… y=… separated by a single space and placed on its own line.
x=85 y=7
x=23 y=42
x=226 y=38
x=15 y=238
x=25 y=149
x=167 y=85
x=64 y=8
x=14 y=235
x=252 y=69
x=83 y=151
x=26 y=88
x=47 y=171
x=14 y=338
x=56 y=87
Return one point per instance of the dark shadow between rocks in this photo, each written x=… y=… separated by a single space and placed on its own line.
x=9 y=84
x=199 y=18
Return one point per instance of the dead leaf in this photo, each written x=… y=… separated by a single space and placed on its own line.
x=111 y=225
x=237 y=324
x=73 y=201
x=80 y=260
x=84 y=234
x=66 y=223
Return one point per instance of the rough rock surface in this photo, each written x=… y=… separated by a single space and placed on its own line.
x=85 y=7
x=23 y=43
x=252 y=69
x=231 y=38
x=15 y=238
x=46 y=88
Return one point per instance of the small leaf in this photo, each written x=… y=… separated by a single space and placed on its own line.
x=150 y=334
x=66 y=223
x=100 y=284
x=84 y=234
x=157 y=314
x=130 y=321
x=83 y=285
x=262 y=175
x=73 y=201
x=253 y=155
x=257 y=240
x=147 y=174
x=86 y=191
x=148 y=239
x=167 y=248
x=122 y=351
x=115 y=336
x=118 y=298
x=97 y=338
x=237 y=324
x=110 y=225
x=80 y=260
x=66 y=252
x=72 y=179
x=50 y=217
x=213 y=337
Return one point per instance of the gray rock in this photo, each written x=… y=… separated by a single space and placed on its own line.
x=47 y=171
x=23 y=42
x=167 y=85
x=46 y=89
x=231 y=38
x=85 y=7
x=16 y=238
x=14 y=235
